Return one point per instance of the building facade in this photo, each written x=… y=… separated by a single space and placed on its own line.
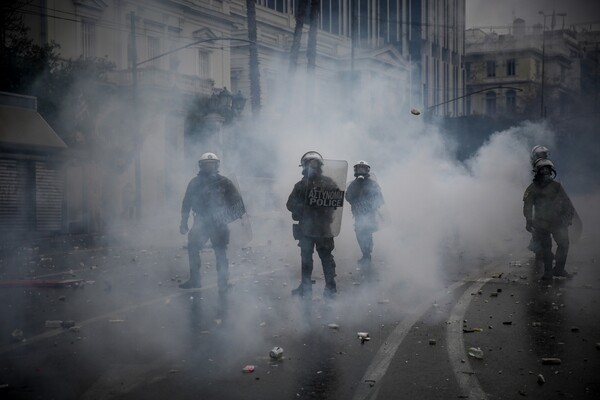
x=528 y=73
x=169 y=54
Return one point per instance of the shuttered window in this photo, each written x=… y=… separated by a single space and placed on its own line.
x=31 y=196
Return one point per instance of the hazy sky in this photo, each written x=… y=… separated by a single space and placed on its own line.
x=501 y=13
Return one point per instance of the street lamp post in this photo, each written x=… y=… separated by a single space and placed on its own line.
x=416 y=111
x=134 y=78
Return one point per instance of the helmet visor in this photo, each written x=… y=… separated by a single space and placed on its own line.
x=313 y=163
x=208 y=165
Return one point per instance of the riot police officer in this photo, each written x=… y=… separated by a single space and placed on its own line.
x=313 y=230
x=365 y=198
x=548 y=213
x=538 y=152
x=215 y=201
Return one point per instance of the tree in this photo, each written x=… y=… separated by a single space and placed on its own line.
x=311 y=51
x=300 y=15
x=253 y=63
x=22 y=61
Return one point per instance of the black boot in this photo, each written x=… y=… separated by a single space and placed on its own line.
x=561 y=273
x=304 y=289
x=194 y=281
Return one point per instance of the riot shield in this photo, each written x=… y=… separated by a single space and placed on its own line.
x=324 y=200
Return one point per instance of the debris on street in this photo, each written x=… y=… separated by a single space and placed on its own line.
x=363 y=336
x=551 y=361
x=276 y=353
x=475 y=352
x=17 y=335
x=53 y=324
x=48 y=283
x=248 y=369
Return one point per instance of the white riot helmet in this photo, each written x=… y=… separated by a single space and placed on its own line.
x=362 y=168
x=539 y=152
x=309 y=156
x=209 y=161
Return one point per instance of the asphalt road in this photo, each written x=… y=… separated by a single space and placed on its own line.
x=138 y=336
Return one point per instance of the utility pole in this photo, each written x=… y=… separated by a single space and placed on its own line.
x=542 y=113
x=353 y=33
x=134 y=88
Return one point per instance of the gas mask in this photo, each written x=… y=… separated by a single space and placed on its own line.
x=209 y=168
x=312 y=168
x=546 y=174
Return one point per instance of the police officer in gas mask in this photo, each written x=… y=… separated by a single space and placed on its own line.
x=538 y=152
x=214 y=201
x=548 y=213
x=365 y=198
x=313 y=230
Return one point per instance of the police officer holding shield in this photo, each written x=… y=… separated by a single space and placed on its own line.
x=215 y=202
x=538 y=152
x=315 y=202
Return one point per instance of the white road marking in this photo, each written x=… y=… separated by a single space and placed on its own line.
x=468 y=383
x=369 y=387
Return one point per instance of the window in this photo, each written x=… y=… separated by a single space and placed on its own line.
x=537 y=69
x=277 y=5
x=511 y=102
x=490 y=103
x=173 y=57
x=153 y=50
x=203 y=69
x=468 y=70
x=88 y=39
x=491 y=69
x=511 y=67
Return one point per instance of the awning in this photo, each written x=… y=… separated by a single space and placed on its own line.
x=26 y=129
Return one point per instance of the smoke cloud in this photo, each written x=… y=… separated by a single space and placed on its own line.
x=440 y=214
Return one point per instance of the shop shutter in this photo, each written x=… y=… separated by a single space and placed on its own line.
x=49 y=185
x=13 y=184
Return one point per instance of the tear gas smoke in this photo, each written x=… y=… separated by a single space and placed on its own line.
x=438 y=210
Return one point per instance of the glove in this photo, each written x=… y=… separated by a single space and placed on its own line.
x=529 y=226
x=183 y=227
